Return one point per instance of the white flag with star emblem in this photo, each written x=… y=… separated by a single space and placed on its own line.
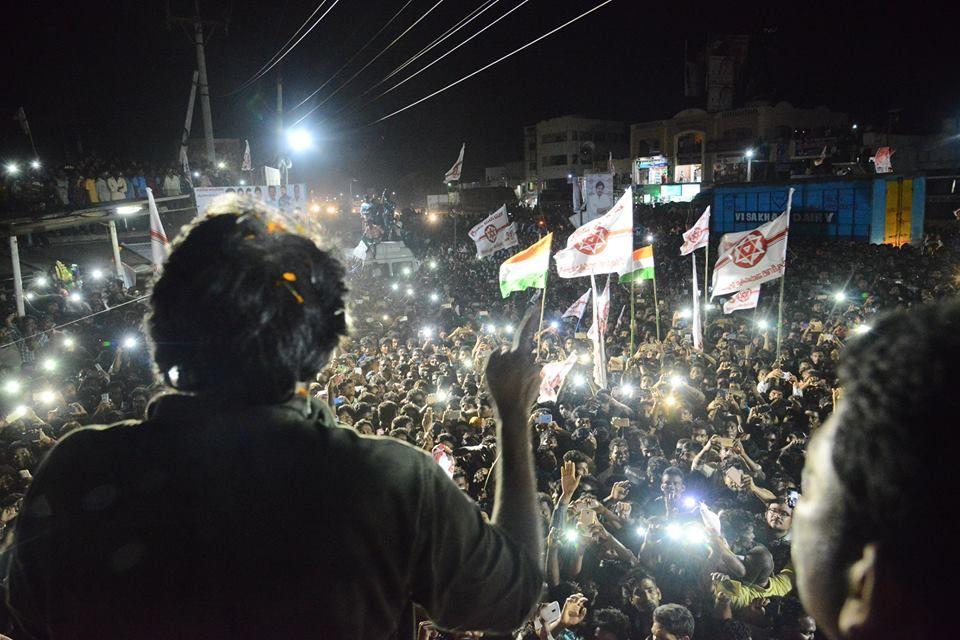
x=600 y=246
x=752 y=257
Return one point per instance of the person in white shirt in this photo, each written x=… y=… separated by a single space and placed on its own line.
x=598 y=202
x=171 y=184
x=117 y=186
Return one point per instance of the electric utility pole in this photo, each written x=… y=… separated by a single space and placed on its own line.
x=197 y=25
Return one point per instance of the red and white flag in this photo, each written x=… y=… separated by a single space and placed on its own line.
x=697 y=328
x=604 y=245
x=453 y=175
x=552 y=376
x=698 y=235
x=494 y=233
x=577 y=308
x=743 y=299
x=758 y=256
x=159 y=247
x=247 y=164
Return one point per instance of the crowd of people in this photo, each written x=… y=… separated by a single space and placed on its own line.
x=34 y=188
x=666 y=498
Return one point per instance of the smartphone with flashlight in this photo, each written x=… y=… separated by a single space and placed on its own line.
x=734 y=476
x=792 y=499
x=545 y=418
x=620 y=423
x=587 y=518
x=547 y=614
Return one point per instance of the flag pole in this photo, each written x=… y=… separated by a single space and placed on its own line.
x=656 y=305
x=706 y=266
x=543 y=304
x=783 y=276
x=633 y=315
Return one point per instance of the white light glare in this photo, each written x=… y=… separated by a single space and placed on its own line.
x=394 y=286
x=76 y=298
x=427 y=332
x=49 y=364
x=96 y=274
x=676 y=381
x=12 y=386
x=749 y=153
x=840 y=296
x=861 y=329
x=579 y=380
x=128 y=209
x=689 y=502
x=626 y=390
x=129 y=342
x=433 y=264
x=12 y=168
x=69 y=343
x=508 y=328
x=299 y=139
x=434 y=297
x=554 y=324
x=46 y=396
x=649 y=237
x=34 y=164
x=763 y=324
x=685 y=313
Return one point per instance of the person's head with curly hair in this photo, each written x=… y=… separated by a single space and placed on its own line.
x=245 y=308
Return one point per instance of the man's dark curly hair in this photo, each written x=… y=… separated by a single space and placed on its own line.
x=675 y=619
x=612 y=621
x=895 y=424
x=245 y=308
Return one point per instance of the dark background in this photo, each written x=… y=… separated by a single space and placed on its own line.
x=111 y=77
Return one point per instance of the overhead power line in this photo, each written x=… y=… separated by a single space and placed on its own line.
x=354 y=56
x=413 y=75
x=497 y=61
x=467 y=19
x=364 y=67
x=438 y=59
x=278 y=56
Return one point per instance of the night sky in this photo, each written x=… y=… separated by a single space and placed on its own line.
x=112 y=77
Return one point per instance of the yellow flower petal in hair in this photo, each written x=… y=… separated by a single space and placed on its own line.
x=289 y=276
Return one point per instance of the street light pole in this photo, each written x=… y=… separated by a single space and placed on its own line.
x=749 y=154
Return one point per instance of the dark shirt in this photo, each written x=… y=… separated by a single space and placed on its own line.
x=212 y=520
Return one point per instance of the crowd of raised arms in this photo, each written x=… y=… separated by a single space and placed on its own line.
x=666 y=498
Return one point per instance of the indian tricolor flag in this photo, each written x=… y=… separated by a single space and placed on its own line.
x=526 y=269
x=642 y=265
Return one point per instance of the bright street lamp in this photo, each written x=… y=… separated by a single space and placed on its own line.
x=12 y=168
x=221 y=165
x=749 y=154
x=299 y=139
x=34 y=164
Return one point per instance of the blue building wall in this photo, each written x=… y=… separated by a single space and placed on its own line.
x=852 y=208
